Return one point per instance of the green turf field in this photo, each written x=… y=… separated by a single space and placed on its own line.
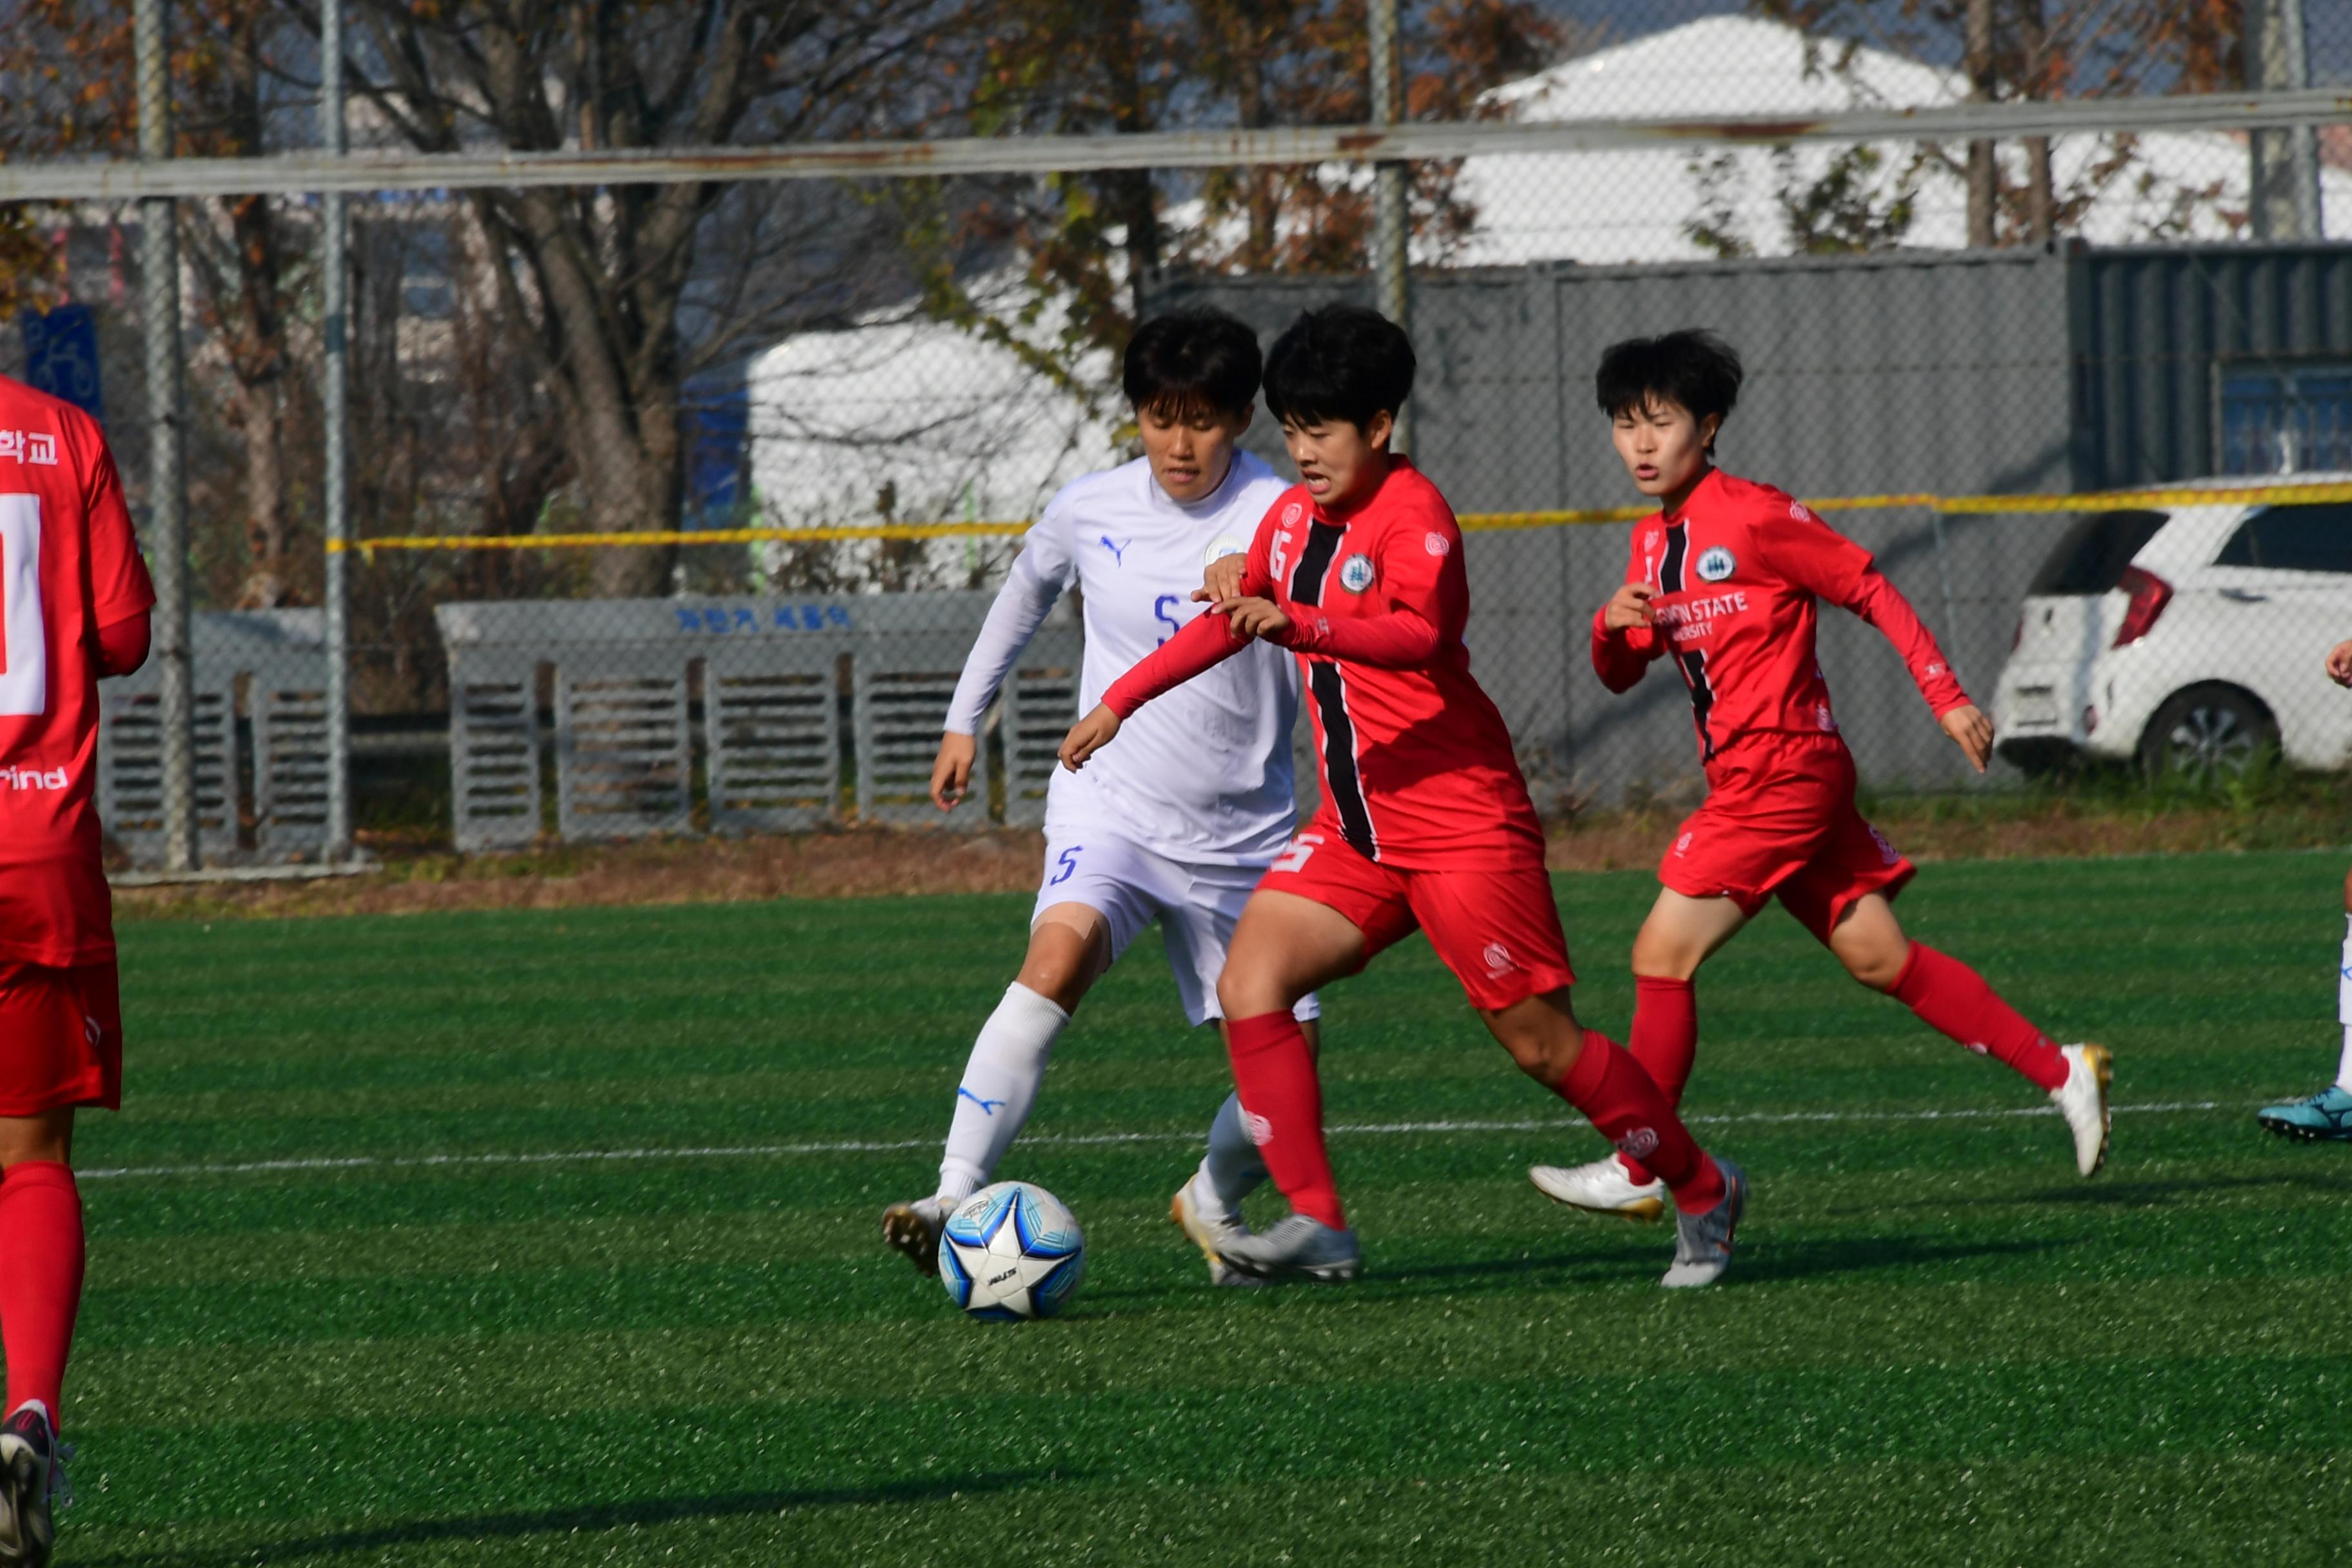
x=411 y=1343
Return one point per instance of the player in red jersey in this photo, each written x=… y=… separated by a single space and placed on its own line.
x=74 y=598
x=1424 y=820
x=1724 y=580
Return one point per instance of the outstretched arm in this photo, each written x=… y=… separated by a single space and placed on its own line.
x=1400 y=639
x=1201 y=646
x=1205 y=642
x=1021 y=607
x=1814 y=556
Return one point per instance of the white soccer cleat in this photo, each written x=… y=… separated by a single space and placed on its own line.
x=1703 y=1241
x=914 y=1229
x=1206 y=1234
x=2082 y=1100
x=1602 y=1187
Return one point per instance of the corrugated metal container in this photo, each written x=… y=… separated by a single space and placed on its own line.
x=2153 y=329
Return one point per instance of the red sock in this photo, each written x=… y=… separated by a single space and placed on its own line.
x=1282 y=1105
x=1632 y=1112
x=1954 y=999
x=1665 y=1039
x=40 y=1278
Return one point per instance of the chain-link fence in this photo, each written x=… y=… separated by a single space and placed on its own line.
x=701 y=550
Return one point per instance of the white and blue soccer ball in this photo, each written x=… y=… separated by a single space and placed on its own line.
x=1012 y=1252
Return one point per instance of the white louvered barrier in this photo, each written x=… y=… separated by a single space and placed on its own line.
x=812 y=711
x=264 y=669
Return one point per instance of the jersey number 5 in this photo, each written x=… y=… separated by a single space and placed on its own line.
x=1163 y=611
x=24 y=635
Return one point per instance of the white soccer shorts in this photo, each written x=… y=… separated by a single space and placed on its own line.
x=1130 y=886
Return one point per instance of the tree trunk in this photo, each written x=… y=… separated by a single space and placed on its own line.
x=1254 y=113
x=1984 y=180
x=2041 y=198
x=1130 y=189
x=260 y=420
x=627 y=464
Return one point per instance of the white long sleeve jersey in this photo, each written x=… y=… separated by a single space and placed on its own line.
x=1205 y=773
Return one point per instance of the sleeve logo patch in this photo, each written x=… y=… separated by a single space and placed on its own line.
x=1715 y=564
x=1797 y=510
x=1437 y=544
x=1356 y=572
x=1224 y=544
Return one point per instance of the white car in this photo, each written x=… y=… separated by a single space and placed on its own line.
x=2189 y=638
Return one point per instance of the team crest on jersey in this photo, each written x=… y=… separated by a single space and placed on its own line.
x=1356 y=572
x=1224 y=544
x=1715 y=563
x=1292 y=513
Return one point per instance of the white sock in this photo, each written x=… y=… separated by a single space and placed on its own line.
x=1232 y=1169
x=1000 y=1084
x=2344 y=1009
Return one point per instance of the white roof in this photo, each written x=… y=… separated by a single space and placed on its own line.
x=1604 y=207
x=952 y=426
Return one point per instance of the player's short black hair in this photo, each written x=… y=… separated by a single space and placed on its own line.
x=1339 y=361
x=1692 y=367
x=1192 y=360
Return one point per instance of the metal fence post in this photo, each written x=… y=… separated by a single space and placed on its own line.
x=1390 y=231
x=167 y=528
x=335 y=393
x=2285 y=162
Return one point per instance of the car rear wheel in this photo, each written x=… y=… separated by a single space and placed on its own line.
x=2207 y=732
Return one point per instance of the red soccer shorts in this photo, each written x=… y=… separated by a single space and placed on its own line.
x=1780 y=822
x=60 y=1038
x=1497 y=931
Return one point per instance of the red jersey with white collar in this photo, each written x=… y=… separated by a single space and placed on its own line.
x=1738 y=571
x=1418 y=769
x=69 y=565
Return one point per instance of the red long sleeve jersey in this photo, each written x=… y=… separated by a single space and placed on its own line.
x=1738 y=573
x=1418 y=770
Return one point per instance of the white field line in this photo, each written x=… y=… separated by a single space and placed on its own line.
x=1071 y=1140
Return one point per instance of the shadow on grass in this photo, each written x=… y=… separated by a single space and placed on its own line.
x=562 y=1520
x=2159 y=1194
x=1793 y=1260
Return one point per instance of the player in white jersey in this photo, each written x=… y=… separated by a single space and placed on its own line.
x=1177 y=828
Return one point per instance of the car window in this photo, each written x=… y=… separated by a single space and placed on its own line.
x=2311 y=538
x=2090 y=556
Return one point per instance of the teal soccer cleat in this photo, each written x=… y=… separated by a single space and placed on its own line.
x=2322 y=1118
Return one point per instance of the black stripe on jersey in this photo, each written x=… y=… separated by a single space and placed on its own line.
x=1693 y=663
x=1339 y=759
x=1313 y=563
x=1331 y=691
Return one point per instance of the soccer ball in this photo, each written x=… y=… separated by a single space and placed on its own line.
x=1012 y=1252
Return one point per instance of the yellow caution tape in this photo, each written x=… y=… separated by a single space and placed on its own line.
x=1472 y=522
